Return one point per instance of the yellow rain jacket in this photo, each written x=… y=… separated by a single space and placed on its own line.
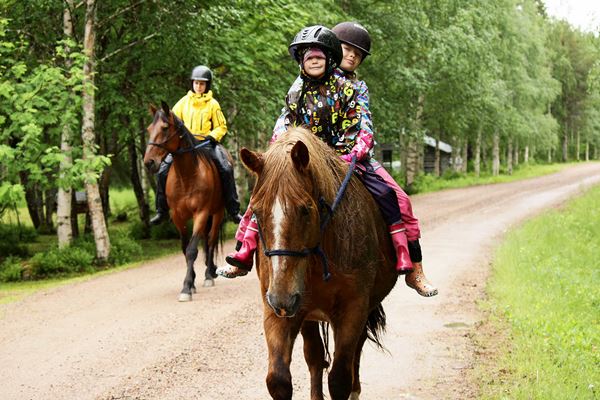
x=202 y=115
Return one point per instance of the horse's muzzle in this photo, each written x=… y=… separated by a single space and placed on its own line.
x=284 y=306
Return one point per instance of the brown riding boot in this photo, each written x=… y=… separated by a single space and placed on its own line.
x=417 y=280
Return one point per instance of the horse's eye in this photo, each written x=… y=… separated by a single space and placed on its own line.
x=305 y=211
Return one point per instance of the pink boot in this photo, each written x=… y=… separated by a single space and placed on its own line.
x=403 y=264
x=242 y=260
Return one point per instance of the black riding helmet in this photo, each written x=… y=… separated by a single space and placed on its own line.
x=354 y=34
x=321 y=37
x=202 y=73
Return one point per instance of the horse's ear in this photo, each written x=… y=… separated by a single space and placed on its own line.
x=252 y=160
x=152 y=109
x=165 y=108
x=300 y=156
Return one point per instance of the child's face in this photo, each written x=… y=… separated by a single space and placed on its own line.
x=315 y=67
x=352 y=57
x=199 y=87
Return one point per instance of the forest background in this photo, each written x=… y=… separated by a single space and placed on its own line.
x=500 y=81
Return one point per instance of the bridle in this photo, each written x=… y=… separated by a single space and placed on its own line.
x=325 y=213
x=179 y=130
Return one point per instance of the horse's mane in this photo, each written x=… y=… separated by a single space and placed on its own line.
x=325 y=168
x=326 y=171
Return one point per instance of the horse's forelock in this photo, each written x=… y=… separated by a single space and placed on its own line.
x=280 y=177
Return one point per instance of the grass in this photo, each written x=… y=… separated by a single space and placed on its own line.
x=545 y=291
x=430 y=183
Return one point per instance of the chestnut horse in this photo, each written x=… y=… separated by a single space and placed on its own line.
x=193 y=191
x=301 y=241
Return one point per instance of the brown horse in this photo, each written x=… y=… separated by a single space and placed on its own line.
x=193 y=190
x=297 y=181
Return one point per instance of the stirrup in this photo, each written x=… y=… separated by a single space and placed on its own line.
x=231 y=271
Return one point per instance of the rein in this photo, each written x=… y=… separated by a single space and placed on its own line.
x=326 y=213
x=181 y=132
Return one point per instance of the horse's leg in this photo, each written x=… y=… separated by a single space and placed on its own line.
x=210 y=245
x=314 y=354
x=280 y=334
x=191 y=253
x=347 y=330
x=356 y=389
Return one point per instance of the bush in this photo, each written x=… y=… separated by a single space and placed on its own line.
x=11 y=270
x=61 y=261
x=13 y=240
x=123 y=249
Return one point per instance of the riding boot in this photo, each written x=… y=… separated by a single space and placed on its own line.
x=232 y=204
x=162 y=208
x=403 y=263
x=416 y=279
x=242 y=260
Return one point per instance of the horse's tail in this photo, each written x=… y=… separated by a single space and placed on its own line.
x=376 y=326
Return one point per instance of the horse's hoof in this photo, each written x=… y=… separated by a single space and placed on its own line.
x=185 y=297
x=193 y=290
x=209 y=283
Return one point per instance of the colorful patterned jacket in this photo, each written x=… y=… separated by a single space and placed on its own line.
x=363 y=141
x=334 y=116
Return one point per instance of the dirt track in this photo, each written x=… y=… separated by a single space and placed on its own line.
x=125 y=336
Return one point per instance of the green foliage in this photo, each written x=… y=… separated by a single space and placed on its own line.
x=64 y=261
x=10 y=269
x=123 y=249
x=545 y=284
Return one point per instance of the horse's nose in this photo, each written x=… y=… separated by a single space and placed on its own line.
x=284 y=306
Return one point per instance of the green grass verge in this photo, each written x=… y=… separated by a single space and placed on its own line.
x=430 y=183
x=545 y=288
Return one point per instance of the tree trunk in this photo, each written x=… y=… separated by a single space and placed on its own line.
x=587 y=151
x=465 y=157
x=509 y=157
x=64 y=227
x=436 y=165
x=88 y=135
x=526 y=155
x=136 y=182
x=496 y=153
x=516 y=154
x=577 y=146
x=50 y=205
x=33 y=198
x=565 y=145
x=477 y=162
x=412 y=148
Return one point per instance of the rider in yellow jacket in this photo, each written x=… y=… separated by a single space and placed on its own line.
x=203 y=117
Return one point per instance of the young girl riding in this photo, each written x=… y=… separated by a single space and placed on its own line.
x=323 y=100
x=356 y=46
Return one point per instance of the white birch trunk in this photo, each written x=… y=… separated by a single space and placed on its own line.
x=64 y=230
x=477 y=162
x=496 y=153
x=88 y=135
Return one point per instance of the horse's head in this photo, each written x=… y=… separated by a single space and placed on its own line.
x=164 y=135
x=285 y=203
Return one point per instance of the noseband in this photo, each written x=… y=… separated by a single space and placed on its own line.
x=325 y=213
